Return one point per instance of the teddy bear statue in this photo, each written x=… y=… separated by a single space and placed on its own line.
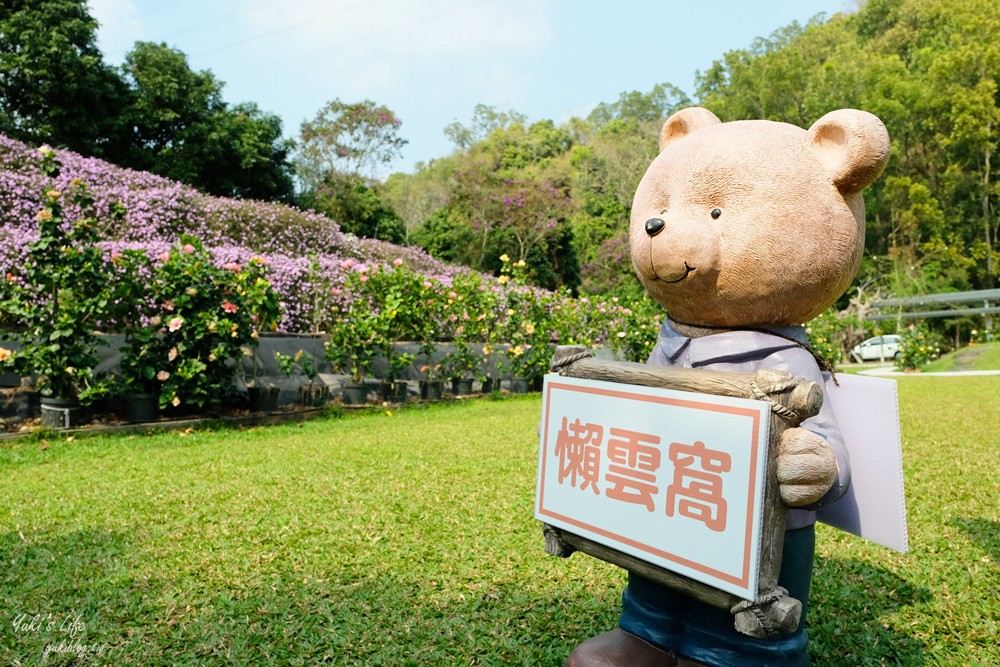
x=744 y=231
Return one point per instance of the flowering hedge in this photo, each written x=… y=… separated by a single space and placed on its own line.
x=139 y=210
x=309 y=258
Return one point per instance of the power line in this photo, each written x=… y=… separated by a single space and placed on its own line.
x=219 y=19
x=155 y=10
x=360 y=39
x=279 y=30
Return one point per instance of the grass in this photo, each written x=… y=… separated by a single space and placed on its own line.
x=984 y=357
x=409 y=539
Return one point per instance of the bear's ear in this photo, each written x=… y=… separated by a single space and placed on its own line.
x=684 y=122
x=853 y=145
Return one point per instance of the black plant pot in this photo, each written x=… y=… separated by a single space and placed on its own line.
x=140 y=407
x=431 y=390
x=313 y=395
x=395 y=392
x=461 y=386
x=490 y=385
x=519 y=385
x=355 y=394
x=263 y=399
x=61 y=412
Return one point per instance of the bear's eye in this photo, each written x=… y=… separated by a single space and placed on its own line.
x=716 y=212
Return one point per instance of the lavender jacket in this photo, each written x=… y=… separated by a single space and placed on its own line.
x=748 y=352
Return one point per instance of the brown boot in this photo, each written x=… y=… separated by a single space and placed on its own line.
x=619 y=649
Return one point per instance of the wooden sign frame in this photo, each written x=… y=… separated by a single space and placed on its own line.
x=791 y=399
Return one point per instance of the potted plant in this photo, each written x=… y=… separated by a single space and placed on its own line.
x=394 y=292
x=432 y=386
x=461 y=364
x=262 y=305
x=204 y=314
x=353 y=341
x=311 y=394
x=135 y=318
x=395 y=389
x=429 y=311
x=517 y=362
x=56 y=300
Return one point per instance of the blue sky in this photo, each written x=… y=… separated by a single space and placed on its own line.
x=432 y=61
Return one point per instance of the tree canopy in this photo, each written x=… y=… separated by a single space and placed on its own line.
x=555 y=194
x=154 y=113
x=930 y=69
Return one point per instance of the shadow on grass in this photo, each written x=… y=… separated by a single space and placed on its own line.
x=985 y=533
x=847 y=603
x=65 y=600
x=77 y=595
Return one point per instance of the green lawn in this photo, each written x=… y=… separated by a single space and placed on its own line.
x=409 y=540
x=984 y=357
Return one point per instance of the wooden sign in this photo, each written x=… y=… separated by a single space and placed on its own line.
x=673 y=478
x=670 y=473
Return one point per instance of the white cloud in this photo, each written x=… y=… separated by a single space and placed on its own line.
x=403 y=27
x=120 y=27
x=374 y=76
x=500 y=86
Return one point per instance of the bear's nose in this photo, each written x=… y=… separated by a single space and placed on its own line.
x=654 y=226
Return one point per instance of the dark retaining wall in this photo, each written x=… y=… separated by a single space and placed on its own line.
x=20 y=404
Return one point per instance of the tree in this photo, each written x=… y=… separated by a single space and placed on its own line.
x=356 y=206
x=54 y=85
x=349 y=139
x=655 y=106
x=173 y=109
x=418 y=196
x=184 y=130
x=247 y=156
x=485 y=120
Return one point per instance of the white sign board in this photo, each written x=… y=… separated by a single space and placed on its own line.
x=674 y=478
x=874 y=507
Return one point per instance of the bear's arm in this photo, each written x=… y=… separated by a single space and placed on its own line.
x=748 y=352
x=800 y=362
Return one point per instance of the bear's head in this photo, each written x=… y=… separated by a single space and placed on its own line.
x=754 y=223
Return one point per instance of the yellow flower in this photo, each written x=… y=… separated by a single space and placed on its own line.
x=502 y=279
x=76 y=181
x=519 y=263
x=5 y=354
x=504 y=258
x=44 y=214
x=53 y=194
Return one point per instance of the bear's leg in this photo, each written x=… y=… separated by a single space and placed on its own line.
x=618 y=648
x=658 y=618
x=710 y=638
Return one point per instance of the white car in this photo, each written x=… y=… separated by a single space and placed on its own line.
x=879 y=348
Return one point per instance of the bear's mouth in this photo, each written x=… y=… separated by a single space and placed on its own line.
x=688 y=269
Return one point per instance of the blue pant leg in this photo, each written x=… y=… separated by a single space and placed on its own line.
x=705 y=633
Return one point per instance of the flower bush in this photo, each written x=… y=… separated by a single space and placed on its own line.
x=138 y=210
x=822 y=334
x=354 y=340
x=299 y=363
x=206 y=316
x=918 y=346
x=365 y=294
x=58 y=294
x=135 y=316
